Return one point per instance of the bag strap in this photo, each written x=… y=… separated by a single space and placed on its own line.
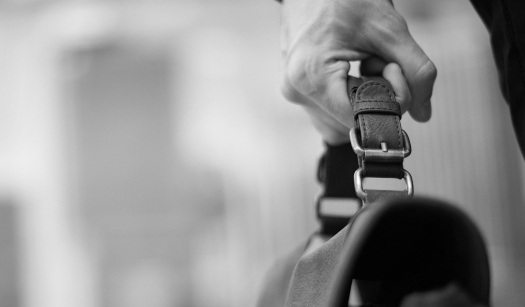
x=378 y=148
x=338 y=201
x=378 y=139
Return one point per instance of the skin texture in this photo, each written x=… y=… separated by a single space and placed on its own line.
x=320 y=38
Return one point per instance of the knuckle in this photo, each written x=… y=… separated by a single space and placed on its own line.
x=296 y=72
x=395 y=21
x=400 y=21
x=294 y=76
x=393 y=25
x=307 y=75
x=339 y=69
x=299 y=74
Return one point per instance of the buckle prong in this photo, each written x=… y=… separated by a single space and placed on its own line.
x=381 y=155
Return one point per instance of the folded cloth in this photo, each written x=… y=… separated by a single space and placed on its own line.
x=403 y=248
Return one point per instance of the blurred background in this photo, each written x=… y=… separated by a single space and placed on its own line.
x=147 y=157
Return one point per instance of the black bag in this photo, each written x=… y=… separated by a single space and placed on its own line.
x=396 y=248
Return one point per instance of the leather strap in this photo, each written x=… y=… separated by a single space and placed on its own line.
x=335 y=173
x=336 y=170
x=377 y=116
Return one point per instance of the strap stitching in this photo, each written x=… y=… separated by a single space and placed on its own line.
x=366 y=134
x=377 y=100
x=376 y=108
x=387 y=104
x=352 y=93
x=398 y=133
x=376 y=83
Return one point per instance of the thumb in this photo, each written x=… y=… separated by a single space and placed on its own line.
x=419 y=71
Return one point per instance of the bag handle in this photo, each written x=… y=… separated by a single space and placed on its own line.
x=380 y=146
x=377 y=138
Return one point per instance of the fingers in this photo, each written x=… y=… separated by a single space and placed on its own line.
x=392 y=72
x=333 y=132
x=312 y=81
x=420 y=73
x=323 y=95
x=334 y=96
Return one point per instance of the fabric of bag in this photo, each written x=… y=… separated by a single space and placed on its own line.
x=277 y=280
x=407 y=245
x=412 y=245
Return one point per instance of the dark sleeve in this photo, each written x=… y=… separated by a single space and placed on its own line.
x=505 y=20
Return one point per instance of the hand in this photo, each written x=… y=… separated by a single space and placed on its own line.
x=320 y=38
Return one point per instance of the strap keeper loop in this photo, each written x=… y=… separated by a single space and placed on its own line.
x=377 y=106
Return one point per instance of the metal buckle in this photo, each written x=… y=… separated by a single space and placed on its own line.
x=381 y=155
x=358 y=183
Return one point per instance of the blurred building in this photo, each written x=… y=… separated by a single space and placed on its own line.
x=147 y=157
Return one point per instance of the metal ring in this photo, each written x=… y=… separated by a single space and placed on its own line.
x=359 y=151
x=358 y=183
